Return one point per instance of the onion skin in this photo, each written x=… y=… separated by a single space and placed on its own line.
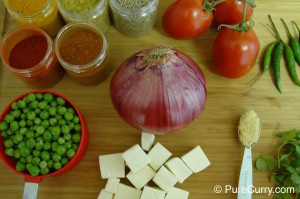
x=161 y=95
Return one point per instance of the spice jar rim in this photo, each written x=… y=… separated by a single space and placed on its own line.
x=39 y=12
x=38 y=66
x=95 y=63
x=79 y=16
x=121 y=9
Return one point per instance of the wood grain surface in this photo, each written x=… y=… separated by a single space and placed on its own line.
x=215 y=130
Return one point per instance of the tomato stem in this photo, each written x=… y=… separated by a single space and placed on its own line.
x=210 y=6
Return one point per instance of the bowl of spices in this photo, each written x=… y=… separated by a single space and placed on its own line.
x=94 y=11
x=39 y=13
x=82 y=50
x=134 y=17
x=28 y=52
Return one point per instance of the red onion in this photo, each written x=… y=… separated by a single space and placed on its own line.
x=158 y=90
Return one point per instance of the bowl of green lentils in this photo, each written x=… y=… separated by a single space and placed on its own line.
x=43 y=134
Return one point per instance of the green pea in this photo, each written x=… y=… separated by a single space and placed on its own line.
x=71 y=110
x=47 y=136
x=55 y=137
x=19 y=137
x=23 y=116
x=53 y=104
x=45 y=170
x=30 y=143
x=47 y=146
x=43 y=164
x=68 y=136
x=23 y=131
x=26 y=100
x=48 y=97
x=34 y=170
x=21 y=144
x=56 y=157
x=36 y=153
x=29 y=134
x=58 y=117
x=54 y=146
x=52 y=111
x=44 y=115
x=39 y=139
x=3 y=126
x=26 y=110
x=31 y=97
x=45 y=155
x=60 y=150
x=77 y=127
x=20 y=166
x=55 y=131
x=39 y=145
x=39 y=96
x=37 y=121
x=16 y=114
x=65 y=129
x=43 y=105
x=24 y=151
x=28 y=165
x=61 y=140
x=21 y=104
x=9 y=143
x=23 y=160
x=4 y=134
x=68 y=145
x=40 y=130
x=62 y=122
x=62 y=110
x=22 y=123
x=31 y=115
x=30 y=123
x=53 y=121
x=70 y=153
x=76 y=138
x=37 y=111
x=64 y=161
x=50 y=164
x=9 y=152
x=68 y=116
x=14 y=126
x=9 y=118
x=60 y=101
x=9 y=132
x=45 y=124
x=57 y=165
x=71 y=125
x=17 y=154
x=29 y=159
x=34 y=104
x=75 y=146
x=76 y=119
x=36 y=161
x=14 y=106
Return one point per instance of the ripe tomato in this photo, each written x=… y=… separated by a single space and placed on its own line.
x=235 y=52
x=231 y=12
x=185 y=19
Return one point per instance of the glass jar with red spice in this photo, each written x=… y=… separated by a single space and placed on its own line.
x=28 y=52
x=82 y=50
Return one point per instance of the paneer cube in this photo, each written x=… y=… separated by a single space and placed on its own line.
x=196 y=160
x=147 y=141
x=112 y=166
x=179 y=169
x=176 y=193
x=112 y=185
x=158 y=156
x=152 y=193
x=127 y=192
x=165 y=179
x=105 y=195
x=136 y=158
x=142 y=177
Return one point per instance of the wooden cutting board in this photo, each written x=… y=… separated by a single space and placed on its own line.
x=215 y=130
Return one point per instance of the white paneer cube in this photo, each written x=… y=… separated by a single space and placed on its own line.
x=127 y=192
x=165 y=179
x=112 y=166
x=196 y=160
x=147 y=141
x=158 y=156
x=136 y=158
x=152 y=193
x=105 y=195
x=176 y=193
x=142 y=177
x=112 y=185
x=179 y=169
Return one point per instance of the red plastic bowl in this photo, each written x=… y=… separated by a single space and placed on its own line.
x=73 y=162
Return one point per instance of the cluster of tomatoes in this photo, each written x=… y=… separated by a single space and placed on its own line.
x=236 y=47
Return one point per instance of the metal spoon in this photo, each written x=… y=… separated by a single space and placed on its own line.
x=245 y=187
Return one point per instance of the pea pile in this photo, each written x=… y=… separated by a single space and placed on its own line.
x=41 y=132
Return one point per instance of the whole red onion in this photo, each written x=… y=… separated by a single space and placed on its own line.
x=158 y=90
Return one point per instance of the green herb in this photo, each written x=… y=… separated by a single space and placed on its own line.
x=286 y=166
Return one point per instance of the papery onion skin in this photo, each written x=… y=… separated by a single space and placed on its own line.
x=161 y=96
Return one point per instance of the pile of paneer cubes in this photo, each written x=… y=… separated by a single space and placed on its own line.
x=156 y=166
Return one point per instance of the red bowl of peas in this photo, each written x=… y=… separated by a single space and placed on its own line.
x=43 y=134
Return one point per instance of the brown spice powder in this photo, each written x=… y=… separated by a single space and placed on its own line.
x=81 y=47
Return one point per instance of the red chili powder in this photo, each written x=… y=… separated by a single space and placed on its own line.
x=28 y=53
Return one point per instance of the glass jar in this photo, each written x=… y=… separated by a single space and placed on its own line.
x=98 y=15
x=43 y=75
x=134 y=22
x=90 y=73
x=47 y=18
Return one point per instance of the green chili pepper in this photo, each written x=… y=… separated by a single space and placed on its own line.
x=293 y=43
x=267 y=60
x=276 y=64
x=290 y=59
x=297 y=29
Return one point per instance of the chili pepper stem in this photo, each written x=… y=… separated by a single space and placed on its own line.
x=286 y=28
x=297 y=28
x=258 y=77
